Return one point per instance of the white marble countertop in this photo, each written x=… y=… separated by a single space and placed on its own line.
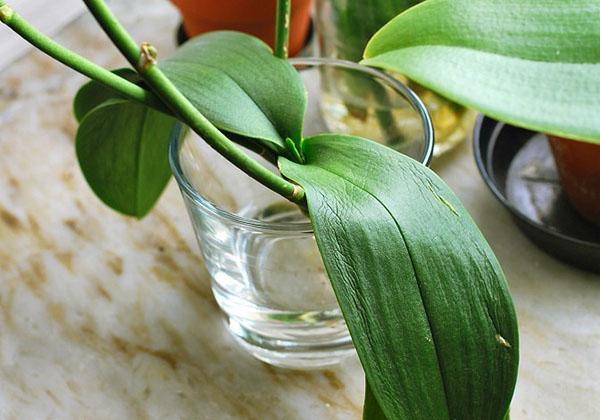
x=49 y=16
x=102 y=316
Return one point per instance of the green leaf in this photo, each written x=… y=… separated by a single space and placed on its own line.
x=422 y=293
x=372 y=410
x=92 y=94
x=237 y=83
x=122 y=150
x=535 y=64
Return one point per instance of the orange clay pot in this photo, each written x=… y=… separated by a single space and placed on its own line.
x=578 y=166
x=255 y=17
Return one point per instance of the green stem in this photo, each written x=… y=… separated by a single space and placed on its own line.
x=129 y=90
x=145 y=63
x=282 y=28
x=117 y=34
x=188 y=112
x=266 y=153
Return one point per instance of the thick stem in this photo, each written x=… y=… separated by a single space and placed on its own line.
x=268 y=154
x=77 y=62
x=145 y=63
x=191 y=116
x=117 y=34
x=282 y=28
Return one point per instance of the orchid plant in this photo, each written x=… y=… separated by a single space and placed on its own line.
x=423 y=295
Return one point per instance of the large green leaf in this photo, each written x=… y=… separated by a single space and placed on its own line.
x=122 y=150
x=237 y=83
x=93 y=93
x=534 y=64
x=372 y=410
x=231 y=77
x=422 y=293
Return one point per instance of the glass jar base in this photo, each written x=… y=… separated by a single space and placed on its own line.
x=294 y=353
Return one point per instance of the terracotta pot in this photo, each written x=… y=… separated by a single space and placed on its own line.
x=578 y=166
x=255 y=17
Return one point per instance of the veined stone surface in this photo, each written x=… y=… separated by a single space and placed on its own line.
x=49 y=16
x=105 y=317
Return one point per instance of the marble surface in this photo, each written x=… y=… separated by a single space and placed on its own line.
x=49 y=16
x=105 y=317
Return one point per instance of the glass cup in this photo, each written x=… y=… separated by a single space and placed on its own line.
x=344 y=28
x=267 y=274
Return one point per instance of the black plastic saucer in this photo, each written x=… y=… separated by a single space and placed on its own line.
x=518 y=167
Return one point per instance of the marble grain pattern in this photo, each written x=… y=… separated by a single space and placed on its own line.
x=103 y=317
x=47 y=15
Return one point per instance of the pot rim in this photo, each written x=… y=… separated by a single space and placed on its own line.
x=303 y=227
x=481 y=161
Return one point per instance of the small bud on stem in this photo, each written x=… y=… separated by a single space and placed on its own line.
x=148 y=56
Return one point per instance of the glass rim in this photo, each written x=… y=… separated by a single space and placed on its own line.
x=303 y=227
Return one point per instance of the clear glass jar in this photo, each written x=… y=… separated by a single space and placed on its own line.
x=267 y=274
x=343 y=29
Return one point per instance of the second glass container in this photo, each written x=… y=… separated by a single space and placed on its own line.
x=343 y=29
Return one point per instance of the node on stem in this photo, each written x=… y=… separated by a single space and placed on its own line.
x=6 y=13
x=148 y=56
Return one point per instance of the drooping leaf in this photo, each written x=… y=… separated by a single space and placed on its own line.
x=122 y=150
x=372 y=410
x=535 y=64
x=120 y=145
x=422 y=293
x=93 y=93
x=237 y=83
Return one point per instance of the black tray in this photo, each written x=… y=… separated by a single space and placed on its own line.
x=518 y=167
